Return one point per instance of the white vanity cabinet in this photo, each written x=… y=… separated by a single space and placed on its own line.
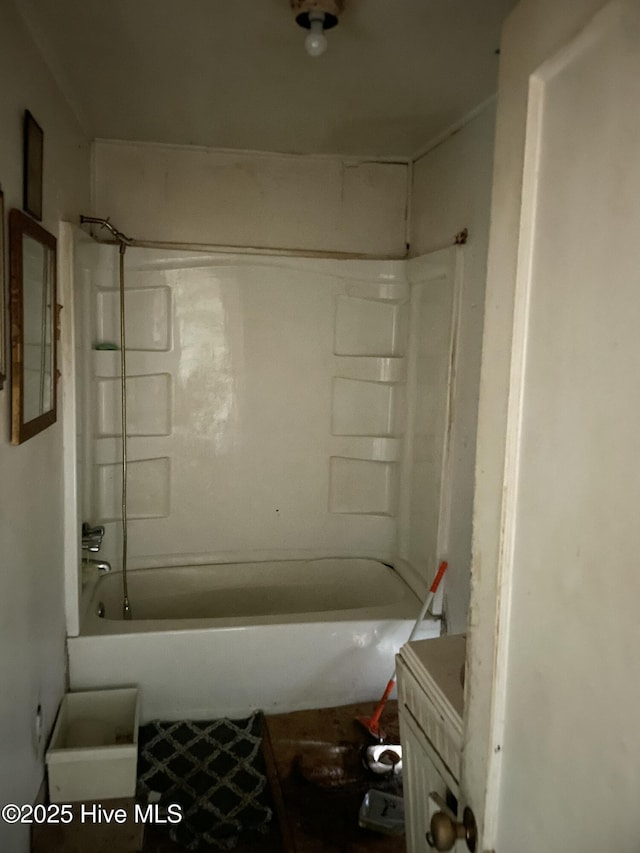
x=430 y=705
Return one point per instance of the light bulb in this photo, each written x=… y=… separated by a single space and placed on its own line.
x=316 y=42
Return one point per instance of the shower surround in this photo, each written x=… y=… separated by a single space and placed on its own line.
x=279 y=409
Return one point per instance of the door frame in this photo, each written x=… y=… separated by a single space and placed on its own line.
x=534 y=40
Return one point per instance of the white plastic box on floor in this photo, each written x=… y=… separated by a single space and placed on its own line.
x=94 y=747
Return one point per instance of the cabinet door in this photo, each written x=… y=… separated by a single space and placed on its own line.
x=425 y=790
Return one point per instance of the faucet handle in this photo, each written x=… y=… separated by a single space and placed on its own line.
x=91 y=537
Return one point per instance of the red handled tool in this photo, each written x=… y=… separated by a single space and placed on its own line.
x=372 y=724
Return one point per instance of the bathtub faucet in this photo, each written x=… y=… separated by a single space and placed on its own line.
x=91 y=537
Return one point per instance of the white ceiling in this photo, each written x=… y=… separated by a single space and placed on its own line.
x=234 y=73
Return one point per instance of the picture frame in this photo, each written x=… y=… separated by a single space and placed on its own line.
x=3 y=298
x=32 y=172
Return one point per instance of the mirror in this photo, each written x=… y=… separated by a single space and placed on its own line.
x=32 y=258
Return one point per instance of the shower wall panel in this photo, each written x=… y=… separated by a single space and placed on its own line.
x=426 y=508
x=265 y=404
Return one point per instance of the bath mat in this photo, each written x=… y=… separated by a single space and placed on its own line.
x=215 y=770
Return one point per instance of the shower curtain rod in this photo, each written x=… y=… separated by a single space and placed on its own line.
x=106 y=223
x=255 y=250
x=459 y=239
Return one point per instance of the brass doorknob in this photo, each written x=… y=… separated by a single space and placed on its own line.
x=444 y=831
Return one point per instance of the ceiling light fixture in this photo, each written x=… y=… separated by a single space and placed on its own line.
x=317 y=16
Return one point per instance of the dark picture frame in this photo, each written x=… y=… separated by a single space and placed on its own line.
x=33 y=315
x=32 y=172
x=3 y=303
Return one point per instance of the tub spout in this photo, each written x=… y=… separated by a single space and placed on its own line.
x=100 y=565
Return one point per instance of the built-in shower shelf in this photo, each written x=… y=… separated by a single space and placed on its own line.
x=386 y=291
x=369 y=448
x=108 y=448
x=365 y=408
x=369 y=327
x=148 y=311
x=370 y=368
x=149 y=405
x=107 y=362
x=148 y=489
x=362 y=486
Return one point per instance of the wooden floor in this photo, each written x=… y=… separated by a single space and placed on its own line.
x=318 y=781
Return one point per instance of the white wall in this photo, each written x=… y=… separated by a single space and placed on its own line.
x=204 y=196
x=32 y=629
x=452 y=190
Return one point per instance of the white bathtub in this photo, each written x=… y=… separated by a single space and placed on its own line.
x=225 y=640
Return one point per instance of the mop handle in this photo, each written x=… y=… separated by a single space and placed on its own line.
x=375 y=719
x=427 y=602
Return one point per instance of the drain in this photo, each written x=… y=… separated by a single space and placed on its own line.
x=101 y=610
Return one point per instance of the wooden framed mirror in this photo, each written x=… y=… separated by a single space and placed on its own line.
x=33 y=312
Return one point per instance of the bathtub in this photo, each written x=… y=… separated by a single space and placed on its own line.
x=225 y=640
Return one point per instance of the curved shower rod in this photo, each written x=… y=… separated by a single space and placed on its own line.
x=105 y=223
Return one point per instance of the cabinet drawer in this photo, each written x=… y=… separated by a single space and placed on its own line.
x=434 y=718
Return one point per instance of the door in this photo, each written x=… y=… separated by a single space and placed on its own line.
x=552 y=744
